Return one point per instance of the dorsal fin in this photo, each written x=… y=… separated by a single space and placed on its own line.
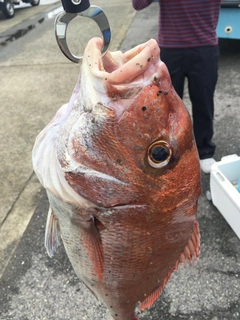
x=191 y=251
x=51 y=233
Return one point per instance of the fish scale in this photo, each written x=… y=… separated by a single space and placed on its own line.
x=122 y=174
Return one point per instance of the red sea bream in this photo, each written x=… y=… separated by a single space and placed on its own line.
x=121 y=170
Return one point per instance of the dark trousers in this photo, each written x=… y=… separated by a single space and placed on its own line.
x=200 y=67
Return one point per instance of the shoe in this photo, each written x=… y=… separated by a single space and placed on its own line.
x=205 y=164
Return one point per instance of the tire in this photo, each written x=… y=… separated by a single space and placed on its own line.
x=35 y=2
x=8 y=9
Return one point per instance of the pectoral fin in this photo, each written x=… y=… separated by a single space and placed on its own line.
x=91 y=241
x=51 y=233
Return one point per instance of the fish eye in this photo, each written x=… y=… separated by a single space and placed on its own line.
x=159 y=154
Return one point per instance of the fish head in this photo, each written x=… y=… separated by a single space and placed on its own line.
x=128 y=137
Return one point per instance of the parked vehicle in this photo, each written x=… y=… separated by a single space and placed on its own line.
x=7 y=6
x=229 y=20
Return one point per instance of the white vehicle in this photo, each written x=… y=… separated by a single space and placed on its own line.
x=7 y=6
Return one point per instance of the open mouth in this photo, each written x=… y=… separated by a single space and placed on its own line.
x=121 y=68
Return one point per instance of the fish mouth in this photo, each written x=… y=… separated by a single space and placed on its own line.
x=121 y=71
x=121 y=67
x=116 y=78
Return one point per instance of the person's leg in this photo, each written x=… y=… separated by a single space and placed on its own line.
x=173 y=60
x=202 y=79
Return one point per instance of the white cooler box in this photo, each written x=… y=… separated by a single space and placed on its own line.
x=224 y=178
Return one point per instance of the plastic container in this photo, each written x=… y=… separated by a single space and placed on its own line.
x=224 y=177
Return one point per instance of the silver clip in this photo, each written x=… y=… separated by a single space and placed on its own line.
x=63 y=19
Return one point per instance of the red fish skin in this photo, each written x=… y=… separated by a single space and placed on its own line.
x=142 y=244
x=142 y=221
x=138 y=254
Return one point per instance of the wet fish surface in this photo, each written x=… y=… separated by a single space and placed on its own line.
x=121 y=170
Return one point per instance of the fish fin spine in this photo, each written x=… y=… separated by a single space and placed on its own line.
x=192 y=250
x=51 y=233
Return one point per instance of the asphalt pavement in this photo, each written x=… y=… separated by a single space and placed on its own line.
x=36 y=79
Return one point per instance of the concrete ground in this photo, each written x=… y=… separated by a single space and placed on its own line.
x=36 y=79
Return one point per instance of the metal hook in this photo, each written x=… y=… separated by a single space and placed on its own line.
x=64 y=18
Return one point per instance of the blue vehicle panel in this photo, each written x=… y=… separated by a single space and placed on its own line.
x=229 y=20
